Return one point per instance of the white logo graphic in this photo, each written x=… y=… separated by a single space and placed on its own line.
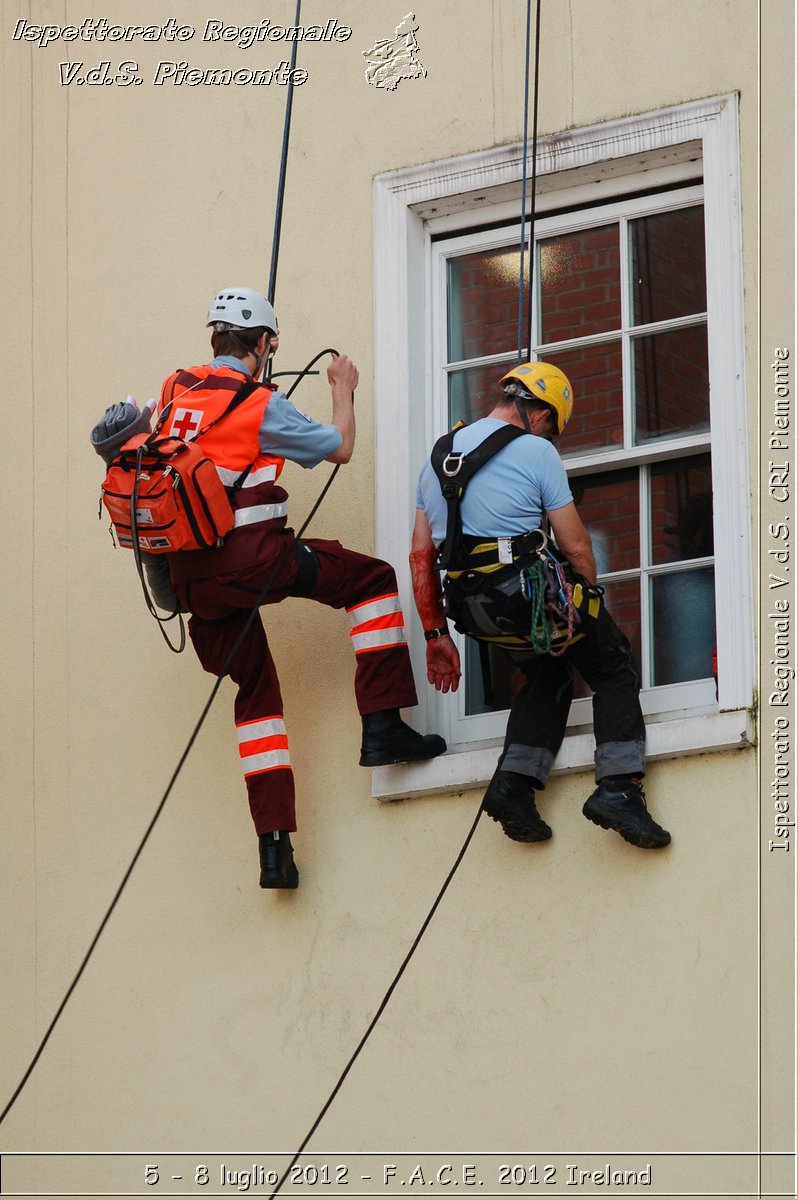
x=390 y=60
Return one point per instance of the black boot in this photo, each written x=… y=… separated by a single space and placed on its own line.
x=510 y=800
x=620 y=804
x=277 y=866
x=386 y=739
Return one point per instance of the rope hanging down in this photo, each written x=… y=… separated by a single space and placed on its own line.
x=384 y=1003
x=524 y=316
x=223 y=673
x=175 y=775
x=278 y=208
x=521 y=325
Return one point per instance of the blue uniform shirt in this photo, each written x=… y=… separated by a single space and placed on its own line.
x=509 y=495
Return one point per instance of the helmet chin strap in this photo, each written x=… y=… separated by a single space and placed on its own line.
x=513 y=390
x=519 y=404
x=262 y=359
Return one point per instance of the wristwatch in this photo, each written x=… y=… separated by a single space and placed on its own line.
x=431 y=634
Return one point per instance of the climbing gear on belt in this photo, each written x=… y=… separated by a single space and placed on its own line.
x=545 y=382
x=529 y=604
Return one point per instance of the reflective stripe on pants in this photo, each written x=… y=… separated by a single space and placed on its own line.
x=377 y=624
x=364 y=586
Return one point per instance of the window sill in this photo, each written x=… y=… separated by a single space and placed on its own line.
x=460 y=770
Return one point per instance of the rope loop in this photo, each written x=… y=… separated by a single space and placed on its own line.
x=548 y=606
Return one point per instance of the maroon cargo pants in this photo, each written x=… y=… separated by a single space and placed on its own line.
x=318 y=570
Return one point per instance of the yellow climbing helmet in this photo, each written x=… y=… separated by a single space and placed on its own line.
x=545 y=382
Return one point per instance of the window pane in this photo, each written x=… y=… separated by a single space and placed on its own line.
x=475 y=391
x=595 y=375
x=668 y=265
x=609 y=505
x=505 y=679
x=483 y=303
x=622 y=599
x=681 y=509
x=683 y=633
x=671 y=383
x=580 y=284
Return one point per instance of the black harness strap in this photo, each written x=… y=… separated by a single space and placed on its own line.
x=455 y=471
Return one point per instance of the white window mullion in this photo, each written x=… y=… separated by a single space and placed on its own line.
x=728 y=411
x=626 y=344
x=533 y=332
x=646 y=631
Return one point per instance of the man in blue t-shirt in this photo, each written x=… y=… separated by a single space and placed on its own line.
x=521 y=487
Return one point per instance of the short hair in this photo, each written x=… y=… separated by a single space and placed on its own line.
x=227 y=339
x=530 y=402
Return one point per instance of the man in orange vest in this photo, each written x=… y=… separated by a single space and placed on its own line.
x=220 y=586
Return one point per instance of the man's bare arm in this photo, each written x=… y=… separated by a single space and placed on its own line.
x=443 y=659
x=574 y=540
x=343 y=377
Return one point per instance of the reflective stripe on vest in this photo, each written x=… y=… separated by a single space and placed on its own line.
x=257 y=513
x=264 y=475
x=263 y=746
x=377 y=624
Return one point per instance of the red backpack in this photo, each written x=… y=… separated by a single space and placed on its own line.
x=163 y=494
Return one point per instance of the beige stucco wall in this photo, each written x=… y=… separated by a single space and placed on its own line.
x=576 y=997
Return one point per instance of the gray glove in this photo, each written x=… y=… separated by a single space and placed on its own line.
x=160 y=582
x=119 y=423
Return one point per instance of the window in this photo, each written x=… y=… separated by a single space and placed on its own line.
x=638 y=298
x=620 y=305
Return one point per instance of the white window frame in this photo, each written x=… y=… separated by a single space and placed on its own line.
x=653 y=150
x=451 y=718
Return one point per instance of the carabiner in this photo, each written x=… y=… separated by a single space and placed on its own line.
x=455 y=455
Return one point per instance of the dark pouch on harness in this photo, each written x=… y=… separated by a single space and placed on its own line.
x=488 y=607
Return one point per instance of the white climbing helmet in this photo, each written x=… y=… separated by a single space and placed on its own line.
x=242 y=308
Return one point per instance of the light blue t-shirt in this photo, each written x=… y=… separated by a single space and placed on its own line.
x=509 y=495
x=285 y=430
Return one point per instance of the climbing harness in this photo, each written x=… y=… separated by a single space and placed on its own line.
x=515 y=592
x=455 y=471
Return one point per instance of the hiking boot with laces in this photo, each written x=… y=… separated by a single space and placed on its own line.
x=622 y=807
x=510 y=800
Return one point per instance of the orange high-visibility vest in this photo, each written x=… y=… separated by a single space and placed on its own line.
x=192 y=399
x=200 y=395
